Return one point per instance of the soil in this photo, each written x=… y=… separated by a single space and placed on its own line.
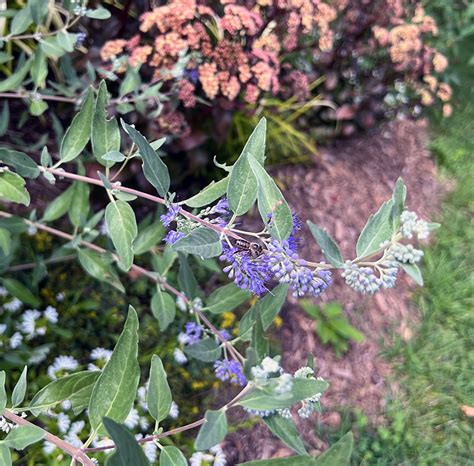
x=339 y=190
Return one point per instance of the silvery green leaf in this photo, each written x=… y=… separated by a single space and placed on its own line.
x=5 y=456
x=21 y=21
x=213 y=431
x=19 y=391
x=23 y=165
x=45 y=159
x=78 y=134
x=377 y=230
x=398 y=197
x=14 y=81
x=267 y=308
x=226 y=298
x=155 y=171
x=209 y=194
x=5 y=57
x=162 y=263
x=98 y=13
x=163 y=308
x=273 y=208
x=131 y=82
x=148 y=237
x=20 y=291
x=413 y=271
x=128 y=451
x=67 y=40
x=186 y=279
x=286 y=431
x=51 y=47
x=5 y=241
x=299 y=460
x=264 y=399
x=38 y=107
x=39 y=10
x=242 y=187
x=76 y=388
x=59 y=206
x=122 y=228
x=154 y=144
x=115 y=390
x=12 y=188
x=39 y=69
x=206 y=350
x=172 y=456
x=105 y=181
x=259 y=342
x=79 y=207
x=3 y=393
x=100 y=267
x=22 y=436
x=433 y=226
x=4 y=118
x=328 y=246
x=105 y=136
x=201 y=241
x=121 y=196
x=339 y=453
x=158 y=396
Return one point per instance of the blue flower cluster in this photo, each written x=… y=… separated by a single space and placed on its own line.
x=231 y=370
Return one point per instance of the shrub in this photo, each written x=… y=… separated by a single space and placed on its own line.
x=262 y=266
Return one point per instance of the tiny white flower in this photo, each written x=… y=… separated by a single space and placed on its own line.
x=27 y=324
x=62 y=363
x=51 y=314
x=142 y=397
x=183 y=339
x=179 y=356
x=60 y=297
x=270 y=365
x=3 y=327
x=219 y=456
x=63 y=422
x=15 y=340
x=32 y=230
x=196 y=459
x=100 y=354
x=3 y=291
x=14 y=305
x=92 y=367
x=133 y=419
x=5 y=426
x=66 y=405
x=174 y=411
x=150 y=450
x=144 y=423
x=48 y=447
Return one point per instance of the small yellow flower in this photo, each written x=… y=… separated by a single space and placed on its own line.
x=228 y=319
x=198 y=385
x=278 y=321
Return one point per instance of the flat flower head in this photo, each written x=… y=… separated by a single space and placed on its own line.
x=170 y=216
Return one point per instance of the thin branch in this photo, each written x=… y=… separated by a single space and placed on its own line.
x=31 y=265
x=76 y=453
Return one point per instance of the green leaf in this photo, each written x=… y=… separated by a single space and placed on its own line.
x=59 y=206
x=5 y=456
x=201 y=241
x=128 y=450
x=377 y=230
x=398 y=197
x=172 y=456
x=209 y=194
x=186 y=279
x=5 y=58
x=21 y=21
x=52 y=47
x=206 y=350
x=14 y=81
x=273 y=208
x=39 y=10
x=264 y=399
x=39 y=69
x=226 y=298
x=213 y=431
x=163 y=308
x=99 y=13
x=115 y=390
x=38 y=107
x=3 y=393
x=105 y=137
x=114 y=156
x=78 y=134
x=20 y=291
x=339 y=453
x=158 y=396
x=45 y=158
x=4 y=118
x=328 y=247
x=12 y=188
x=131 y=82
x=22 y=436
x=5 y=241
x=79 y=207
x=122 y=228
x=148 y=238
x=289 y=461
x=259 y=342
x=285 y=430
x=155 y=171
x=267 y=307
x=19 y=391
x=23 y=165
x=76 y=388
x=413 y=271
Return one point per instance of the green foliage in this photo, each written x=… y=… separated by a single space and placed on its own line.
x=158 y=393
x=213 y=431
x=285 y=429
x=332 y=326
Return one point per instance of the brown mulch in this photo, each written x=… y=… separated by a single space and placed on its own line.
x=343 y=186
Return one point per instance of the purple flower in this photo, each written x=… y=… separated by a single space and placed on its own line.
x=293 y=241
x=193 y=75
x=247 y=272
x=287 y=267
x=173 y=211
x=222 y=207
x=193 y=332
x=172 y=236
x=231 y=370
x=225 y=334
